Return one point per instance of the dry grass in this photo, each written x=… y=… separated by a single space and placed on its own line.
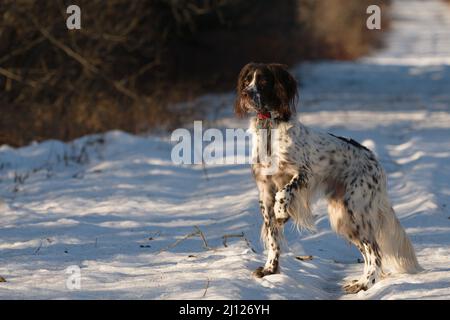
x=337 y=28
x=133 y=59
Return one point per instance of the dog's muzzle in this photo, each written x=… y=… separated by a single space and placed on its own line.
x=254 y=96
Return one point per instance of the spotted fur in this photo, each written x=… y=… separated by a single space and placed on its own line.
x=310 y=164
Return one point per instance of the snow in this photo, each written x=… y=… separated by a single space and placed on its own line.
x=116 y=206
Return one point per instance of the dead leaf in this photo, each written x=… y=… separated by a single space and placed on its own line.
x=304 y=258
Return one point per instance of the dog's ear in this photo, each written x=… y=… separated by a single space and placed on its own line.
x=285 y=89
x=239 y=108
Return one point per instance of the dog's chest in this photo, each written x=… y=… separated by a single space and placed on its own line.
x=275 y=146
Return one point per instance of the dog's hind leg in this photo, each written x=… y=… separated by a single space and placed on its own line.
x=372 y=266
x=357 y=229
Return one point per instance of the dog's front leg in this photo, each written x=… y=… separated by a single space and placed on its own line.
x=283 y=198
x=270 y=232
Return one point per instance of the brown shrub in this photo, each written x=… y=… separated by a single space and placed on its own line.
x=133 y=59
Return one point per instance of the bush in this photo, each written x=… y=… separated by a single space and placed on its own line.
x=132 y=60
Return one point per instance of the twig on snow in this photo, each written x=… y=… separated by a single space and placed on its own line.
x=203 y=237
x=239 y=235
x=38 y=249
x=197 y=232
x=173 y=245
x=206 y=288
x=205 y=171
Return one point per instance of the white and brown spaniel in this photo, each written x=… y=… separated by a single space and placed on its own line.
x=313 y=163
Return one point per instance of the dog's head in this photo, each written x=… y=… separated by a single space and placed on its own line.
x=264 y=88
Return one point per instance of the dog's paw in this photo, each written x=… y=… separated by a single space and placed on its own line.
x=281 y=205
x=262 y=272
x=355 y=286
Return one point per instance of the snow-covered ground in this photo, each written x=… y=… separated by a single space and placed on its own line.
x=116 y=206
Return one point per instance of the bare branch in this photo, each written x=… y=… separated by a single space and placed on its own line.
x=17 y=78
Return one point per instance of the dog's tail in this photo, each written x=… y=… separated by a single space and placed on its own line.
x=396 y=249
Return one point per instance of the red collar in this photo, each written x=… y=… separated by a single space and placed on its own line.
x=263 y=115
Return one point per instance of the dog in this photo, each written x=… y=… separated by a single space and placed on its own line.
x=312 y=164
